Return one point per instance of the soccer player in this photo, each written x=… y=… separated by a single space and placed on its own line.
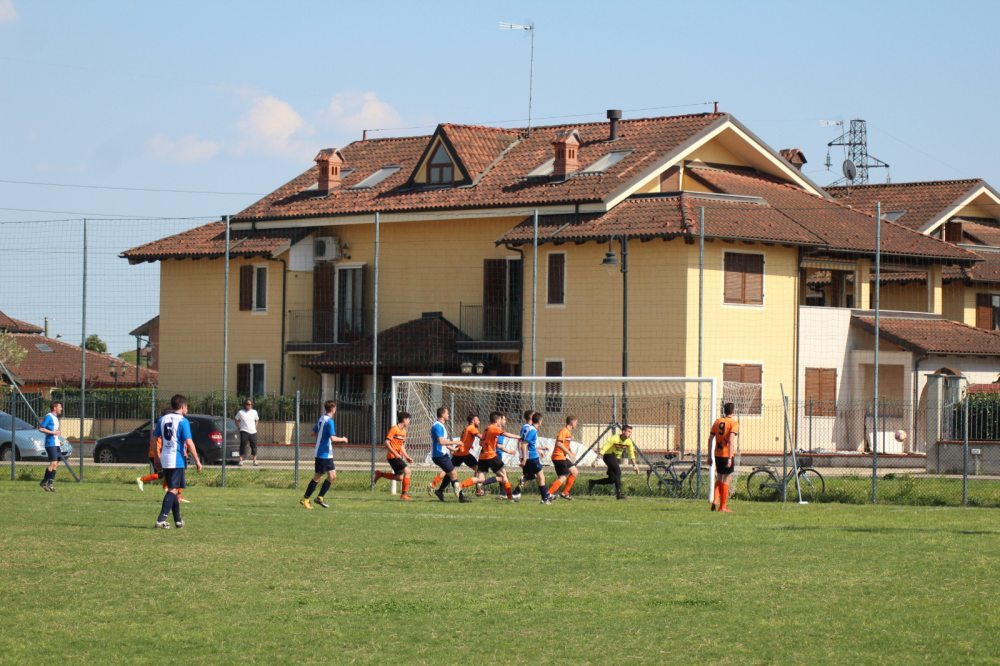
x=489 y=461
x=725 y=430
x=326 y=437
x=441 y=449
x=611 y=452
x=50 y=428
x=397 y=457
x=531 y=465
x=247 y=419
x=463 y=455
x=175 y=431
x=155 y=446
x=562 y=460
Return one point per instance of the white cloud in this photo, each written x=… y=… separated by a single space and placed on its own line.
x=352 y=112
x=272 y=126
x=188 y=148
x=7 y=12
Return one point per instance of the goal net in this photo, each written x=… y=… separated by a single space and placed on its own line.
x=668 y=415
x=746 y=399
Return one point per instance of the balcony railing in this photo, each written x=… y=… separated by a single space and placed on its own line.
x=490 y=322
x=328 y=325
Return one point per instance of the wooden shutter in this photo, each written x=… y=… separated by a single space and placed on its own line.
x=557 y=279
x=953 y=232
x=731 y=373
x=733 y=278
x=984 y=311
x=821 y=392
x=553 y=390
x=243 y=379
x=494 y=298
x=324 y=275
x=753 y=278
x=246 y=287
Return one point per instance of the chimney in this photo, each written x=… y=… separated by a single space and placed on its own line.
x=795 y=156
x=329 y=163
x=566 y=160
x=614 y=115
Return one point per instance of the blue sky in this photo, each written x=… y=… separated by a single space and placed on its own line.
x=228 y=97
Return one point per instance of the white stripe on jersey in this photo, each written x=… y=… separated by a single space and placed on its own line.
x=172 y=449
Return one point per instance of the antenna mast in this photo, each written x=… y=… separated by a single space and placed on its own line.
x=530 y=29
x=855 y=143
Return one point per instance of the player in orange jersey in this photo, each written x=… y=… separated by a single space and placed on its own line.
x=463 y=456
x=396 y=455
x=562 y=460
x=489 y=460
x=725 y=430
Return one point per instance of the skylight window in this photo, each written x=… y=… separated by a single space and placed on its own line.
x=606 y=162
x=894 y=215
x=42 y=347
x=543 y=169
x=376 y=178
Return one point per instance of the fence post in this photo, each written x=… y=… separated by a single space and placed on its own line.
x=83 y=349
x=225 y=356
x=298 y=419
x=13 y=433
x=965 y=453
x=784 y=450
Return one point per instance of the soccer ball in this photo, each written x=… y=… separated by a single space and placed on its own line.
x=900 y=435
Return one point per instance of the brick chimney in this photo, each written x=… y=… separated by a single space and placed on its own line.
x=795 y=156
x=567 y=161
x=329 y=163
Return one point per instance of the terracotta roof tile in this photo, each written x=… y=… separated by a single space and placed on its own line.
x=11 y=325
x=986 y=271
x=478 y=147
x=210 y=241
x=934 y=336
x=920 y=202
x=61 y=365
x=983 y=233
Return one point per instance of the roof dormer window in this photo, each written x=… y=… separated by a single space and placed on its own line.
x=608 y=161
x=440 y=169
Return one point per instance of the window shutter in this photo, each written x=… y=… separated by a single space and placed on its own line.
x=246 y=287
x=812 y=389
x=984 y=311
x=751 y=374
x=828 y=391
x=557 y=279
x=753 y=278
x=243 y=378
x=733 y=278
x=730 y=373
x=323 y=297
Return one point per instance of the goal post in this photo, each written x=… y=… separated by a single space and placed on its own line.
x=668 y=415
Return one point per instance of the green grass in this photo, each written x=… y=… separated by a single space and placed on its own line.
x=253 y=577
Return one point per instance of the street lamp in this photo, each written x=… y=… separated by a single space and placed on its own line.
x=611 y=263
x=115 y=371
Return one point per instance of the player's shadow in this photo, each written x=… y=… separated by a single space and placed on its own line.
x=885 y=530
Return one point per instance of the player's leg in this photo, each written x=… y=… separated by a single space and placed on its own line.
x=253 y=448
x=447 y=473
x=543 y=490
x=609 y=460
x=573 y=473
x=405 y=496
x=562 y=470
x=616 y=471
x=49 y=478
x=320 y=469
x=502 y=477
x=724 y=471
x=331 y=476
x=169 y=504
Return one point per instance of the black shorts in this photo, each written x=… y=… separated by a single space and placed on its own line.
x=468 y=460
x=445 y=463
x=54 y=453
x=562 y=467
x=722 y=466
x=248 y=439
x=174 y=477
x=492 y=465
x=324 y=465
x=398 y=465
x=531 y=468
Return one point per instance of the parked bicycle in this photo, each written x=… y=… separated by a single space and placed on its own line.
x=676 y=478
x=764 y=482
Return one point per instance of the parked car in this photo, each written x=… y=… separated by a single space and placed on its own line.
x=29 y=441
x=206 y=431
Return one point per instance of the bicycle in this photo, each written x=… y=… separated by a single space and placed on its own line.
x=671 y=478
x=764 y=484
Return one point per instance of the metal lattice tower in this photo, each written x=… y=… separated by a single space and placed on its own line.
x=855 y=142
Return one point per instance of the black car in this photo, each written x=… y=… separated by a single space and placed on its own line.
x=206 y=431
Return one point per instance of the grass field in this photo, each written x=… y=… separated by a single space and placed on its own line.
x=254 y=577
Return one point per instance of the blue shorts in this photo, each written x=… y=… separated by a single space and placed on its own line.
x=532 y=468
x=324 y=465
x=174 y=477
x=54 y=453
x=445 y=463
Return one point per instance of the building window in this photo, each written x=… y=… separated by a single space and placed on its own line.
x=988 y=311
x=953 y=231
x=742 y=385
x=744 y=278
x=440 y=170
x=553 y=390
x=557 y=279
x=821 y=391
x=350 y=303
x=253 y=288
x=250 y=379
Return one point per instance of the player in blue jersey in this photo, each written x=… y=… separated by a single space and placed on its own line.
x=531 y=463
x=174 y=431
x=326 y=437
x=441 y=449
x=50 y=428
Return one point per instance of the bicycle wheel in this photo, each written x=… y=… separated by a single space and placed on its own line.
x=811 y=484
x=762 y=484
x=694 y=489
x=659 y=480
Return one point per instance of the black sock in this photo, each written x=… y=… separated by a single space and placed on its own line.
x=326 y=487
x=517 y=488
x=309 y=490
x=169 y=499
x=490 y=480
x=602 y=482
x=176 y=509
x=444 y=483
x=543 y=491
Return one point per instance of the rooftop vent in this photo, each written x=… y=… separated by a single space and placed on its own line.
x=614 y=115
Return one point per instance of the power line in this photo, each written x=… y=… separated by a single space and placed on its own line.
x=97 y=216
x=127 y=189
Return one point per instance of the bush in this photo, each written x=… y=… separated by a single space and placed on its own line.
x=984 y=417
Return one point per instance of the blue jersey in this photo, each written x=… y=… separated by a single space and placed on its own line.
x=529 y=434
x=51 y=422
x=437 y=434
x=325 y=428
x=173 y=430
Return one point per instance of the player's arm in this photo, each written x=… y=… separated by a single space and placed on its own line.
x=633 y=456
x=406 y=456
x=192 y=451
x=47 y=431
x=388 y=445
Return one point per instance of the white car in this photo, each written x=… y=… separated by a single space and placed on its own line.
x=28 y=440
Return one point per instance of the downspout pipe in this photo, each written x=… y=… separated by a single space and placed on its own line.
x=284 y=319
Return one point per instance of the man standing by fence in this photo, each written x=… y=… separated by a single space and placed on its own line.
x=50 y=428
x=246 y=420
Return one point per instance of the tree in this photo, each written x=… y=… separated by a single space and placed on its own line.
x=11 y=353
x=95 y=344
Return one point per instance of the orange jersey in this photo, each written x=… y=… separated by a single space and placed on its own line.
x=155 y=447
x=397 y=439
x=468 y=439
x=564 y=437
x=723 y=429
x=489 y=442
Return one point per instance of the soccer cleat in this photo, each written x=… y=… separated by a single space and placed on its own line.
x=305 y=503
x=162 y=525
x=463 y=499
x=439 y=493
x=51 y=487
x=725 y=509
x=517 y=494
x=44 y=485
x=590 y=486
x=712 y=507
x=565 y=496
x=138 y=482
x=405 y=498
x=621 y=497
x=255 y=464
x=322 y=502
x=183 y=500
x=430 y=488
x=547 y=500
x=179 y=524
x=457 y=489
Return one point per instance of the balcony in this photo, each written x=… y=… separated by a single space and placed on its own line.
x=492 y=328
x=317 y=330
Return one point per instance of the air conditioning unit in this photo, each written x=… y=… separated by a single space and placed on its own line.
x=326 y=248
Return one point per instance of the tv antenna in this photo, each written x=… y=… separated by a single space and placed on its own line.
x=855 y=143
x=530 y=29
